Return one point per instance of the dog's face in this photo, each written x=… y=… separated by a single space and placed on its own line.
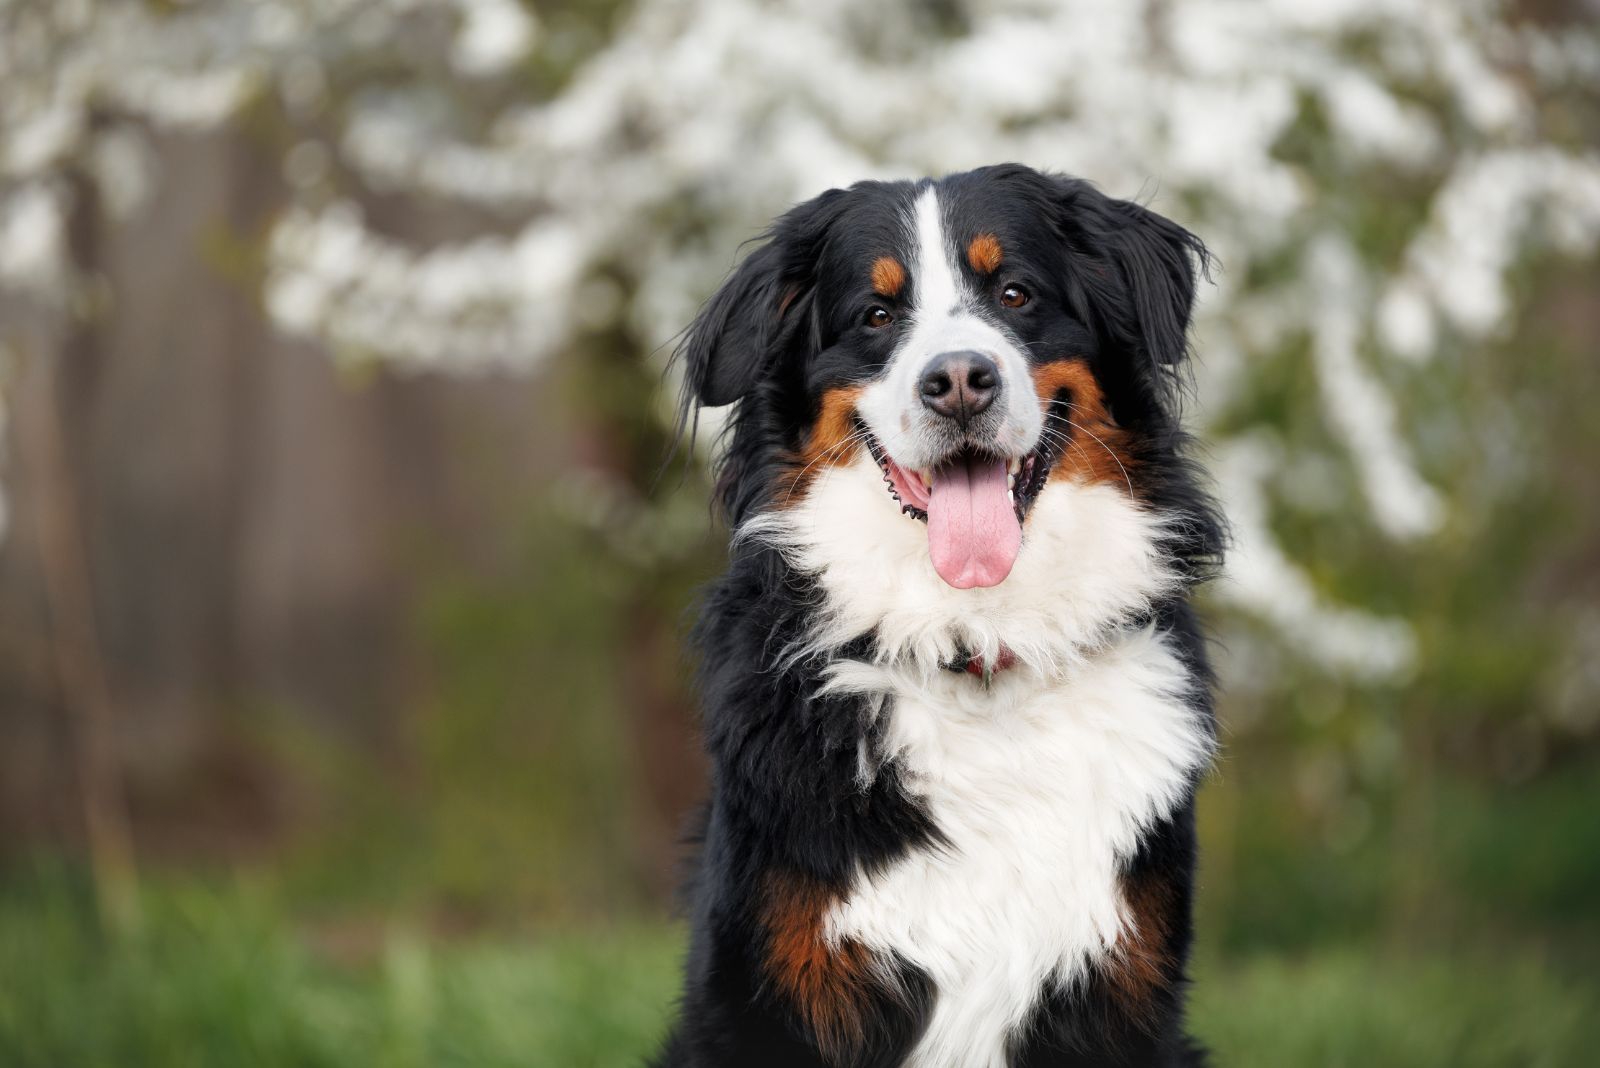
x=978 y=336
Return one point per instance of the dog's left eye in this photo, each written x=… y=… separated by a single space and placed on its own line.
x=877 y=316
x=1013 y=296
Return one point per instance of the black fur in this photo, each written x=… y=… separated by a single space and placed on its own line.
x=1113 y=283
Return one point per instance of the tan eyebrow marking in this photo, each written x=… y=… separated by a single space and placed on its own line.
x=984 y=253
x=888 y=277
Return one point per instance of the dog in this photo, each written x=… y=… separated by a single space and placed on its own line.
x=956 y=701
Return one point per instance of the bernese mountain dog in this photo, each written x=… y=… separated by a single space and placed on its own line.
x=956 y=701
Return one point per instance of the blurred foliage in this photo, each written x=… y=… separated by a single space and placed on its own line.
x=493 y=798
x=520 y=783
x=1508 y=866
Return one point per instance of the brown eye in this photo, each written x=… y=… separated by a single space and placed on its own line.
x=1013 y=296
x=877 y=317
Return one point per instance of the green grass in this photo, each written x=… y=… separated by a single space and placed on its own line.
x=1343 y=1009
x=216 y=978
x=219 y=976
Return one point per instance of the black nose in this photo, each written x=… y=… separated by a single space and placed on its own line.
x=959 y=385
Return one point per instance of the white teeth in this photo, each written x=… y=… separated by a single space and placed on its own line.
x=926 y=474
x=1010 y=496
x=1011 y=482
x=1014 y=465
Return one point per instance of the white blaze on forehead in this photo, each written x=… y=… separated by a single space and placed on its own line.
x=937 y=285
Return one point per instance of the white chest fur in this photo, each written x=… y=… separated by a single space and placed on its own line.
x=1040 y=791
x=1041 y=784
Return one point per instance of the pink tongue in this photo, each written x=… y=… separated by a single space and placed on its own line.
x=973 y=533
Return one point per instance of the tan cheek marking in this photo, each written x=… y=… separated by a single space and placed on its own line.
x=888 y=277
x=1098 y=449
x=829 y=984
x=831 y=442
x=985 y=254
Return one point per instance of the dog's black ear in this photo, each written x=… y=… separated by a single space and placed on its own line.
x=760 y=313
x=735 y=336
x=1150 y=264
x=1159 y=261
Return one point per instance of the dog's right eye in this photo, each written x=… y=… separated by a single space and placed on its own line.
x=878 y=316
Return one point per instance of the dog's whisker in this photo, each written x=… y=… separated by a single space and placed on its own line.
x=859 y=436
x=1057 y=436
x=1109 y=452
x=855 y=437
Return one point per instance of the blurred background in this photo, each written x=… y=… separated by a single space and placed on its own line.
x=344 y=711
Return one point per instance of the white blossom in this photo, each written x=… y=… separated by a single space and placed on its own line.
x=32 y=241
x=494 y=34
x=698 y=120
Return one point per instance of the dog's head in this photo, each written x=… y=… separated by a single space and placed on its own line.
x=977 y=336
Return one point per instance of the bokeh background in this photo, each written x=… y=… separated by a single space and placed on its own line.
x=344 y=712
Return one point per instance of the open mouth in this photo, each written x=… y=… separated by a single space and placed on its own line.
x=974 y=503
x=912 y=489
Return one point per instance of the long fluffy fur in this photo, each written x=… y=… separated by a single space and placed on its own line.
x=900 y=863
